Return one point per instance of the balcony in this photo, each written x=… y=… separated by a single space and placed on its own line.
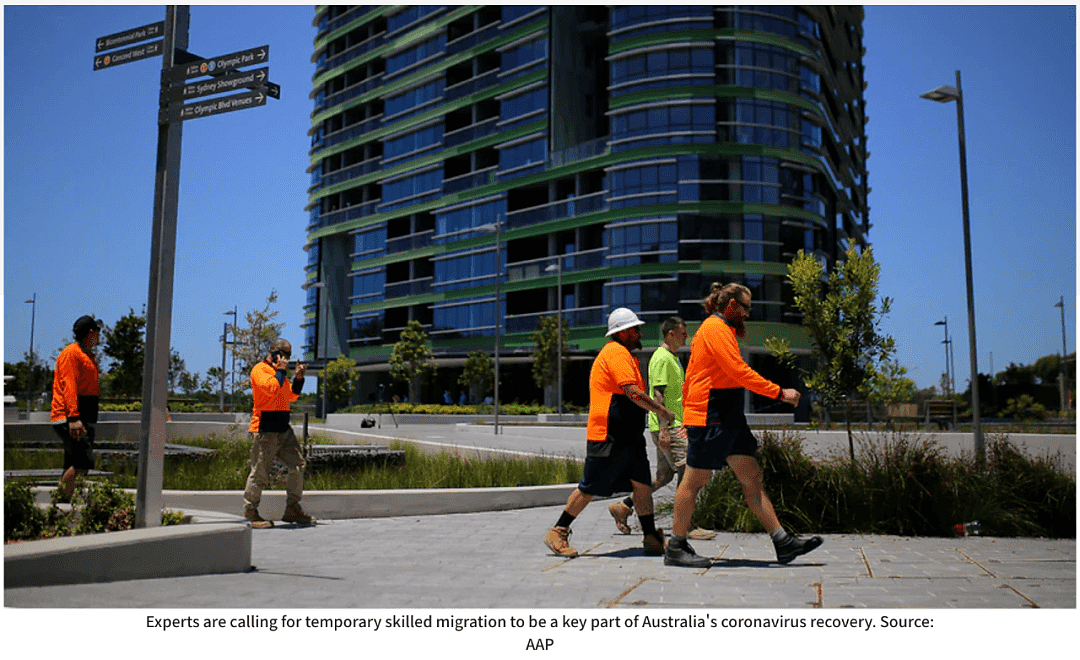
x=572 y=318
x=415 y=287
x=566 y=208
x=471 y=180
x=410 y=242
x=591 y=149
x=344 y=215
x=359 y=88
x=584 y=260
x=466 y=42
x=472 y=85
x=360 y=169
x=470 y=133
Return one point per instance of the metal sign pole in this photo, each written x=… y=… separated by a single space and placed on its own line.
x=159 y=298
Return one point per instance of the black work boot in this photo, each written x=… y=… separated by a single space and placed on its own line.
x=679 y=553
x=792 y=546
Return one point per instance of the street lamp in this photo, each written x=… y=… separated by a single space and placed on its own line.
x=233 y=377
x=30 y=370
x=322 y=323
x=945 y=94
x=557 y=267
x=949 y=375
x=1061 y=304
x=496 y=228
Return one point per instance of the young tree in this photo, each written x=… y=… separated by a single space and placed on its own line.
x=253 y=342
x=411 y=361
x=125 y=345
x=843 y=321
x=37 y=378
x=546 y=356
x=177 y=370
x=478 y=374
x=339 y=381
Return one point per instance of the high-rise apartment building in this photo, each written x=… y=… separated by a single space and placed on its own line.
x=644 y=151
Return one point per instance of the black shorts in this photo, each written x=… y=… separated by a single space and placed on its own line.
x=610 y=466
x=78 y=454
x=711 y=445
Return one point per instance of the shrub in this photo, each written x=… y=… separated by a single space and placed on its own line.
x=23 y=519
x=900 y=485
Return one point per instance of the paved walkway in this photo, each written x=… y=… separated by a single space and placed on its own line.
x=497 y=560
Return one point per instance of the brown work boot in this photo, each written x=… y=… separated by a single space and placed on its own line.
x=558 y=540
x=294 y=514
x=620 y=512
x=256 y=520
x=654 y=543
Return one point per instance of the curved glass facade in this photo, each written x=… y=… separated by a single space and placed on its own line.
x=643 y=152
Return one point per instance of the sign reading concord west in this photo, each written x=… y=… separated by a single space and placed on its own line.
x=227 y=83
x=131 y=36
x=220 y=64
x=216 y=106
x=140 y=52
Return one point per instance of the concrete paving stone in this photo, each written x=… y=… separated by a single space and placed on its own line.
x=1059 y=593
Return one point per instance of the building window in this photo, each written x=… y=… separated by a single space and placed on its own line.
x=416 y=141
x=532 y=152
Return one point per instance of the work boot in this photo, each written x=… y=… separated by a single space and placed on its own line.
x=256 y=520
x=654 y=543
x=294 y=514
x=679 y=553
x=792 y=546
x=620 y=512
x=558 y=540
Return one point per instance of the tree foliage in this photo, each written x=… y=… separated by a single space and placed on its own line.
x=411 y=361
x=478 y=374
x=125 y=345
x=339 y=379
x=841 y=313
x=544 y=367
x=252 y=343
x=37 y=379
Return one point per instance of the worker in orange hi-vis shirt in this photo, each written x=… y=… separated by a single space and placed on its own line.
x=616 y=459
x=76 y=389
x=713 y=394
x=272 y=435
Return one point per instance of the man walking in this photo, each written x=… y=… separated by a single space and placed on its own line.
x=272 y=435
x=713 y=393
x=76 y=389
x=616 y=460
x=666 y=380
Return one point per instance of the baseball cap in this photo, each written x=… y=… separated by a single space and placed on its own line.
x=83 y=326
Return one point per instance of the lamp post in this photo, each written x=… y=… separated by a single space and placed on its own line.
x=557 y=267
x=945 y=94
x=233 y=376
x=30 y=370
x=948 y=370
x=1061 y=375
x=496 y=228
x=323 y=321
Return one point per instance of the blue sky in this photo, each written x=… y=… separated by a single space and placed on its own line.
x=79 y=151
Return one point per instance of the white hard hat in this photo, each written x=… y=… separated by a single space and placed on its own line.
x=621 y=319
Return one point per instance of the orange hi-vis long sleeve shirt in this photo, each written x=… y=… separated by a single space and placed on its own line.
x=76 y=387
x=271 y=398
x=611 y=412
x=717 y=375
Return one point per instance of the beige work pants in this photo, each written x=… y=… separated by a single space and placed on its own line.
x=265 y=447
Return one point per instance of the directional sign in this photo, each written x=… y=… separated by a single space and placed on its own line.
x=142 y=51
x=216 y=106
x=131 y=36
x=220 y=64
x=228 y=83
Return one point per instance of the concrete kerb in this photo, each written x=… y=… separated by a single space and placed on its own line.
x=210 y=543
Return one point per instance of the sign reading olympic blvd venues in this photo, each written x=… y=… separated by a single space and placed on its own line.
x=226 y=83
x=220 y=64
x=131 y=36
x=216 y=106
x=140 y=52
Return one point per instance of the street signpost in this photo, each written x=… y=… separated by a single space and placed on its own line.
x=216 y=106
x=134 y=35
x=140 y=52
x=220 y=64
x=177 y=65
